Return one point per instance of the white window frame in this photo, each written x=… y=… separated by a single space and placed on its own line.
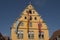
x=30 y=24
x=20 y=35
x=41 y=36
x=31 y=35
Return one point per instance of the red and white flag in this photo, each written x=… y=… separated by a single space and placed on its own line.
x=39 y=27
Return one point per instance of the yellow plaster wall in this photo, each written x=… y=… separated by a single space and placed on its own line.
x=33 y=28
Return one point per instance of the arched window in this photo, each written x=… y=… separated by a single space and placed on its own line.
x=35 y=18
x=30 y=11
x=30 y=17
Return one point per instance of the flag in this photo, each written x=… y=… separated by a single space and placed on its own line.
x=39 y=27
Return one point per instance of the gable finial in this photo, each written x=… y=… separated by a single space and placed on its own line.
x=30 y=2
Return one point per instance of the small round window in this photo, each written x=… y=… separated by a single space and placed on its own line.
x=25 y=17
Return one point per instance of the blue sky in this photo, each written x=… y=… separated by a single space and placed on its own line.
x=11 y=9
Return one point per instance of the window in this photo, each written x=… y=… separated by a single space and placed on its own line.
x=31 y=35
x=33 y=11
x=58 y=36
x=25 y=17
x=30 y=24
x=30 y=6
x=41 y=35
x=21 y=23
x=30 y=11
x=55 y=39
x=30 y=17
x=20 y=35
x=27 y=11
x=35 y=18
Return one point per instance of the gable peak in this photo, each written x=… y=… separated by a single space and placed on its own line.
x=30 y=6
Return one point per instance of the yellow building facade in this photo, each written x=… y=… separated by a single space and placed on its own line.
x=29 y=26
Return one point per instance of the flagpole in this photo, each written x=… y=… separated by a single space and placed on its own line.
x=28 y=23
